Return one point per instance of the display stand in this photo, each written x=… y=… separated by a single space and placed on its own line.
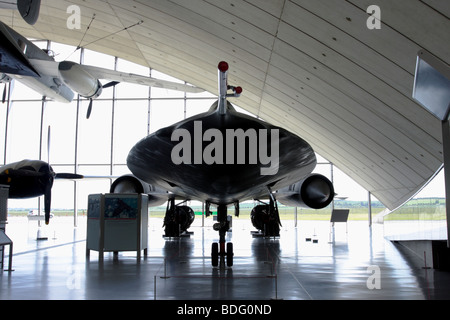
x=117 y=222
x=4 y=239
x=338 y=215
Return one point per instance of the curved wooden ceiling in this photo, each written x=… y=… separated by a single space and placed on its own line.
x=313 y=67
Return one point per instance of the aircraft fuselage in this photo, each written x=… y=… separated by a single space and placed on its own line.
x=198 y=165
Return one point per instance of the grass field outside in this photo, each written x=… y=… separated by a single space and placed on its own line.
x=416 y=209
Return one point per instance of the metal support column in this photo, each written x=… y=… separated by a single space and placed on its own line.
x=446 y=153
x=295 y=216
x=370 y=208
x=332 y=182
x=203 y=214
x=8 y=108
x=77 y=130
x=149 y=110
x=4 y=239
x=113 y=110
x=42 y=136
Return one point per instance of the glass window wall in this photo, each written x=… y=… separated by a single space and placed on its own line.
x=120 y=117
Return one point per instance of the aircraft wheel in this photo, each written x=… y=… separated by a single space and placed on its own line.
x=215 y=254
x=230 y=254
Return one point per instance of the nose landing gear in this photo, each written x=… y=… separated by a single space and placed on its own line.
x=219 y=256
x=218 y=252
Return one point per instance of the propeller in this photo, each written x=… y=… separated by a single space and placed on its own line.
x=51 y=177
x=48 y=200
x=89 y=110
x=69 y=176
x=91 y=100
x=110 y=84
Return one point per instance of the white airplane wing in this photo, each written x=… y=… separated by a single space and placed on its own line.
x=112 y=75
x=50 y=68
x=46 y=67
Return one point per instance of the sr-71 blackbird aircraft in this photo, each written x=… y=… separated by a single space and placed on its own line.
x=22 y=60
x=223 y=157
x=220 y=157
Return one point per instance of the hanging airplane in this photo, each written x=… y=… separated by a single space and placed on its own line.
x=28 y=9
x=22 y=60
x=32 y=178
x=223 y=157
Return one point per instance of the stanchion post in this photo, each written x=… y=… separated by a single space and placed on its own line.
x=165 y=270
x=154 y=287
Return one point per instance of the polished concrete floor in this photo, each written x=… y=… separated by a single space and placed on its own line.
x=349 y=261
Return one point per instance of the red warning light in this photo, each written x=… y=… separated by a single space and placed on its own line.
x=238 y=90
x=223 y=66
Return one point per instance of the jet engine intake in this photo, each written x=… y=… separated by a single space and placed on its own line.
x=316 y=192
x=129 y=184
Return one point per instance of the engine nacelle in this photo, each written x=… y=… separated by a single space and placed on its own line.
x=130 y=184
x=178 y=221
x=29 y=10
x=316 y=192
x=80 y=81
x=265 y=221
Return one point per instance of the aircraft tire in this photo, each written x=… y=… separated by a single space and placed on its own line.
x=215 y=254
x=230 y=254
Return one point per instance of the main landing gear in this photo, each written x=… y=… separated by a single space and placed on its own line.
x=222 y=251
x=266 y=219
x=177 y=220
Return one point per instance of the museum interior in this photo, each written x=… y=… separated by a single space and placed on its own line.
x=97 y=95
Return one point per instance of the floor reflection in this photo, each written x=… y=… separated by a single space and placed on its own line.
x=335 y=266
